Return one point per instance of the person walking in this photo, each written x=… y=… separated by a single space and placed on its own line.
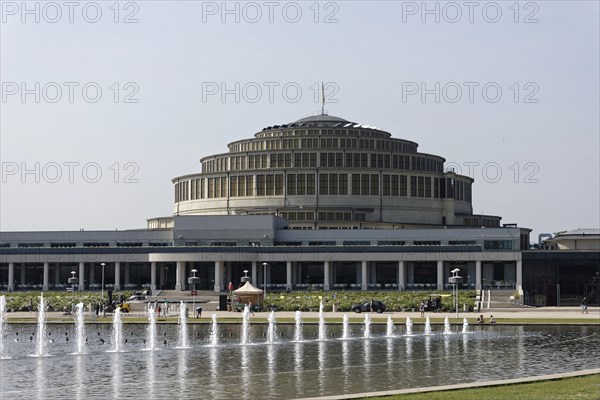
x=584 y=307
x=422 y=309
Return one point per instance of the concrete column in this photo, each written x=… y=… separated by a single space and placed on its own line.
x=364 y=278
x=519 y=276
x=153 y=276
x=92 y=273
x=218 y=275
x=180 y=275
x=117 y=276
x=288 y=275
x=401 y=275
x=440 y=275
x=46 y=285
x=81 y=276
x=254 y=273
x=478 y=275
x=23 y=275
x=326 y=275
x=126 y=280
x=11 y=277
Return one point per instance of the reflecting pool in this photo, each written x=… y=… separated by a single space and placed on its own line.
x=275 y=364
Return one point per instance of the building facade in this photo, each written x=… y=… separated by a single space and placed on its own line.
x=221 y=248
x=319 y=203
x=565 y=270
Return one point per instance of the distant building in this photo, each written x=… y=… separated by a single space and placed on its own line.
x=567 y=270
x=578 y=239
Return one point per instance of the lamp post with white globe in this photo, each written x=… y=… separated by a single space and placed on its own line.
x=192 y=280
x=455 y=280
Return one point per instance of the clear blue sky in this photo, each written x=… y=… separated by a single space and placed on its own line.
x=541 y=133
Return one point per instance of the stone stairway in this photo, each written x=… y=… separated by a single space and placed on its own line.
x=501 y=299
x=207 y=299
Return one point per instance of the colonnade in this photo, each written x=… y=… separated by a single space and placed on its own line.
x=259 y=272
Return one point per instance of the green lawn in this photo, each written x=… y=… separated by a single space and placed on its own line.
x=393 y=300
x=579 y=388
x=297 y=300
x=55 y=300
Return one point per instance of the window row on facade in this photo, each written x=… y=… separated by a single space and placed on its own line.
x=270 y=132
x=322 y=159
x=495 y=244
x=478 y=220
x=303 y=184
x=324 y=142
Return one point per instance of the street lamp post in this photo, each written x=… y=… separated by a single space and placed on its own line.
x=102 y=291
x=265 y=282
x=72 y=281
x=455 y=280
x=192 y=280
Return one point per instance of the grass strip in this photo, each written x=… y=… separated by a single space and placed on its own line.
x=577 y=388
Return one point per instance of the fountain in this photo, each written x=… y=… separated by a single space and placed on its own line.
x=151 y=330
x=183 y=335
x=367 y=333
x=447 y=328
x=213 y=337
x=427 y=326
x=390 y=327
x=309 y=368
x=345 y=328
x=465 y=328
x=272 y=329
x=41 y=329
x=322 y=333
x=2 y=322
x=409 y=326
x=117 y=332
x=298 y=333
x=245 y=337
x=80 y=328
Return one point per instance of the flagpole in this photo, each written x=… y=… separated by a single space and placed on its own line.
x=322 y=99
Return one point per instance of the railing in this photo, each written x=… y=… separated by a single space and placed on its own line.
x=498 y=284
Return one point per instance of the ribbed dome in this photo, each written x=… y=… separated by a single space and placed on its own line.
x=321 y=118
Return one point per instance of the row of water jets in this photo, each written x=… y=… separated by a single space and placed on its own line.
x=151 y=335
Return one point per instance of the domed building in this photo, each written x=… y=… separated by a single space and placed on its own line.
x=327 y=172
x=318 y=203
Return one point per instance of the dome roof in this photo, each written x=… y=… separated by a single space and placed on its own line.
x=321 y=118
x=322 y=121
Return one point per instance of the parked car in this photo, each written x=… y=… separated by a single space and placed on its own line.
x=378 y=307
